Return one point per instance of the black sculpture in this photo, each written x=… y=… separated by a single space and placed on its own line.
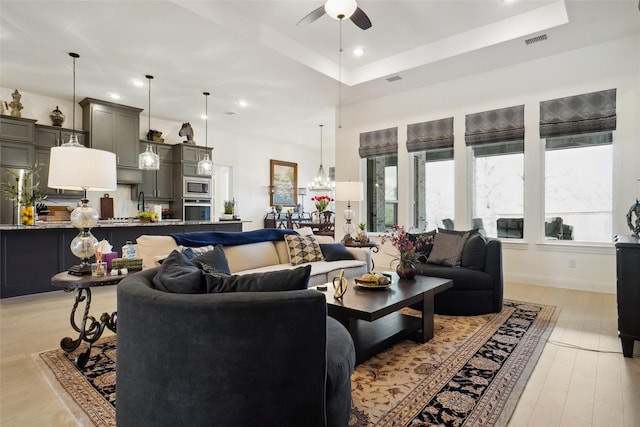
x=187 y=130
x=635 y=209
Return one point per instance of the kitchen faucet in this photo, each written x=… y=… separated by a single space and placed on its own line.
x=141 y=205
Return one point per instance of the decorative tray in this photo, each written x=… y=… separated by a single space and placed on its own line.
x=370 y=285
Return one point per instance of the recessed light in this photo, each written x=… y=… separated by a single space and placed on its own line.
x=204 y=117
x=137 y=83
x=243 y=103
x=358 y=51
x=113 y=95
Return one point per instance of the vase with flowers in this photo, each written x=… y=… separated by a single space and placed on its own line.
x=321 y=202
x=23 y=190
x=408 y=249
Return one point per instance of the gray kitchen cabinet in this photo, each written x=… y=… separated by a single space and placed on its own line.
x=116 y=128
x=157 y=185
x=187 y=156
x=52 y=136
x=16 y=142
x=47 y=137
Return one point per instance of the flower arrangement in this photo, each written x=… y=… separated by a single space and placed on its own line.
x=228 y=206
x=28 y=194
x=321 y=202
x=407 y=247
x=147 y=216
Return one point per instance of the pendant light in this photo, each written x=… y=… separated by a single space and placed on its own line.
x=321 y=182
x=205 y=166
x=73 y=138
x=148 y=160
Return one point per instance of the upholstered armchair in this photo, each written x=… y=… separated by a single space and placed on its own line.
x=230 y=359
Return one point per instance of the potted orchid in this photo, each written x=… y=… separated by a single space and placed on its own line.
x=321 y=202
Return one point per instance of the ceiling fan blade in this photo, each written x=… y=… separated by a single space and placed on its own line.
x=315 y=14
x=361 y=19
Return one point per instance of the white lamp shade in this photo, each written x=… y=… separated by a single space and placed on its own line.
x=340 y=9
x=350 y=191
x=80 y=168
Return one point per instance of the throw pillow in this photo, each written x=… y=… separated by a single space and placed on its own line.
x=177 y=274
x=303 y=249
x=192 y=252
x=305 y=231
x=425 y=250
x=474 y=252
x=213 y=261
x=272 y=281
x=448 y=246
x=335 y=252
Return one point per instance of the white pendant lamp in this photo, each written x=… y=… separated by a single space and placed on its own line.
x=149 y=160
x=205 y=166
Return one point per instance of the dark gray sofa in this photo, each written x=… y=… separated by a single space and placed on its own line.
x=477 y=283
x=229 y=359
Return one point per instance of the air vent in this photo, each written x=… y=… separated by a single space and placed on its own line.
x=393 y=79
x=536 y=39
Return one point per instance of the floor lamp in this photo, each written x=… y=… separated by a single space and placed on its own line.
x=349 y=191
x=85 y=169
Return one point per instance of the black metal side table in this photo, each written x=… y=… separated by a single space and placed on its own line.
x=374 y=246
x=90 y=329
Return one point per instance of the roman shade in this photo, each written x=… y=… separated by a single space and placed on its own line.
x=580 y=114
x=501 y=125
x=379 y=142
x=431 y=135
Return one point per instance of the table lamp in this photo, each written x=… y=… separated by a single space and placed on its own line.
x=349 y=191
x=86 y=169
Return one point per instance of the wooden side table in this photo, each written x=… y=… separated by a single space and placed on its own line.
x=90 y=329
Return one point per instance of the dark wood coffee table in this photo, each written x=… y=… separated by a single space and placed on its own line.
x=371 y=315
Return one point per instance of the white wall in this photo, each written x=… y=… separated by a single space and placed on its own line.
x=248 y=157
x=611 y=65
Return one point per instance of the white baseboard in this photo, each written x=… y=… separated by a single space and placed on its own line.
x=561 y=282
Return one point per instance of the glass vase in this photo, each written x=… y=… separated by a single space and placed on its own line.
x=28 y=215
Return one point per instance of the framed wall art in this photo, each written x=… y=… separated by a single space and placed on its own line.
x=283 y=184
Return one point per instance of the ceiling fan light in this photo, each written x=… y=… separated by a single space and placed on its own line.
x=340 y=9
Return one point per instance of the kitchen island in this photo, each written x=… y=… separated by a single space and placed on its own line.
x=31 y=255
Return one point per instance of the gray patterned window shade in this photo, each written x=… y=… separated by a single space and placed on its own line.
x=431 y=135
x=579 y=114
x=379 y=142
x=501 y=125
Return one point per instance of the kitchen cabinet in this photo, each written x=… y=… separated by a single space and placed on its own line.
x=157 y=185
x=47 y=137
x=187 y=156
x=16 y=142
x=628 y=291
x=52 y=136
x=116 y=128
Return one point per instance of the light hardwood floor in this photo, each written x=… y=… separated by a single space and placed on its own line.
x=569 y=386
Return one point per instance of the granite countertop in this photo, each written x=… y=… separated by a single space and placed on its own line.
x=40 y=225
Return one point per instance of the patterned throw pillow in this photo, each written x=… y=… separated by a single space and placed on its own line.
x=303 y=249
x=448 y=246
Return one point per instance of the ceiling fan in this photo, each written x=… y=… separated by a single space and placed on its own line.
x=339 y=9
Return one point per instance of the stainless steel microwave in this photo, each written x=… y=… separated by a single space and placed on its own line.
x=196 y=187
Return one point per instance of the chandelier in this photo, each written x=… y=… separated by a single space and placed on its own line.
x=321 y=182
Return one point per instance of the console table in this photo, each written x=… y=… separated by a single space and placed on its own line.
x=628 y=291
x=90 y=329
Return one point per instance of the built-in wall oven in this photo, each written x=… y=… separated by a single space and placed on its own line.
x=196 y=209
x=196 y=188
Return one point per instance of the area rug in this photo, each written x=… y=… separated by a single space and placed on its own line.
x=470 y=374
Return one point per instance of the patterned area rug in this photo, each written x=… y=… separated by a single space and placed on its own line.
x=470 y=374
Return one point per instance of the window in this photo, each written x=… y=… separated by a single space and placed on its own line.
x=578 y=162
x=498 y=189
x=382 y=192
x=432 y=145
x=579 y=188
x=434 y=177
x=496 y=141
